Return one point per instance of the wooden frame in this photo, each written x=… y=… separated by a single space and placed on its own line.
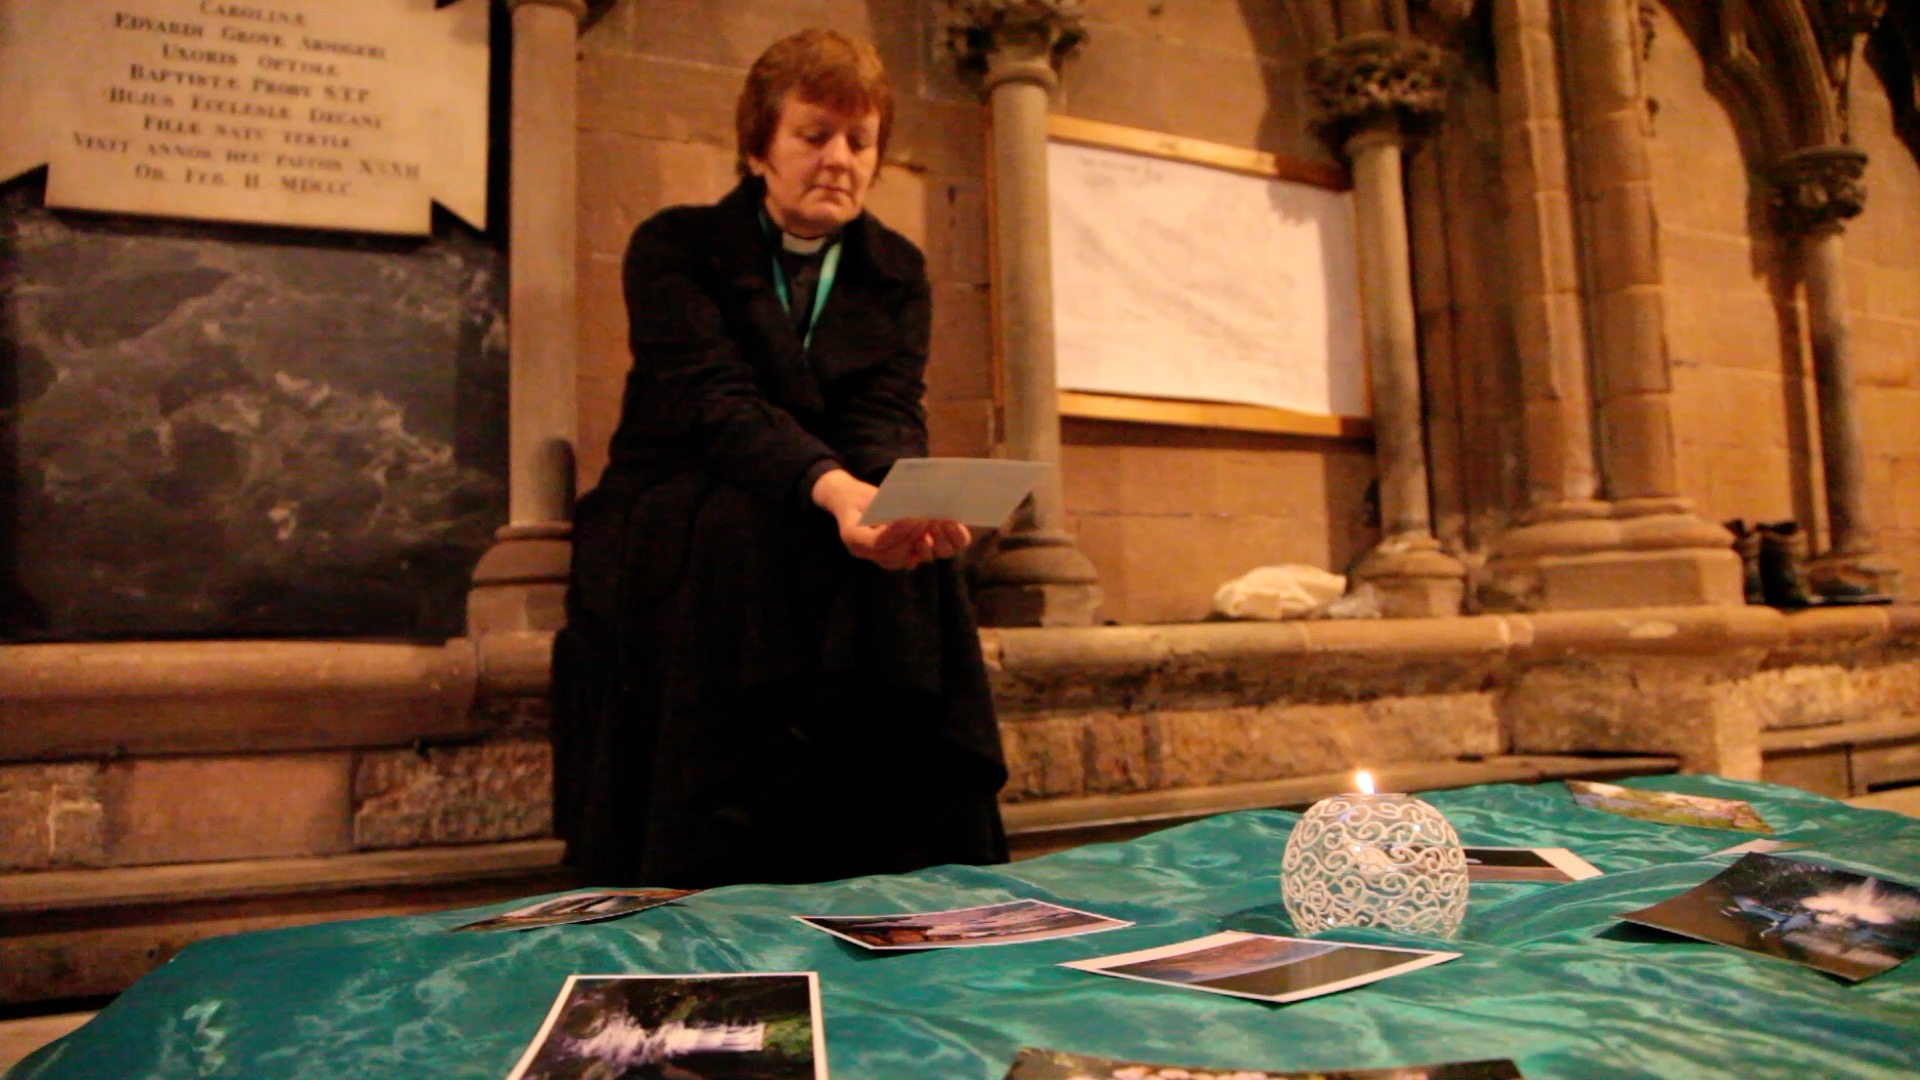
x=1192 y=413
x=1259 y=163
x=1212 y=414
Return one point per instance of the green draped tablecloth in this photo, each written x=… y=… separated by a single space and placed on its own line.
x=1546 y=978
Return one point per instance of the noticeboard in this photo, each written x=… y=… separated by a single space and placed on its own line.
x=1203 y=285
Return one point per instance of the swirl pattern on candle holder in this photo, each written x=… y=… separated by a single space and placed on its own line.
x=1390 y=861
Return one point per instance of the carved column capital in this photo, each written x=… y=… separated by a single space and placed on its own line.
x=1377 y=81
x=1817 y=189
x=1014 y=40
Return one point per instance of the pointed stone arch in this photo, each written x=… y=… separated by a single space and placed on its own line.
x=1893 y=52
x=1764 y=62
x=1313 y=21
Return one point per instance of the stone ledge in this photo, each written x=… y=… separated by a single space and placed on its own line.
x=108 y=700
x=83 y=933
x=1039 y=827
x=135 y=698
x=1521 y=636
x=1862 y=733
x=1130 y=668
x=58 y=890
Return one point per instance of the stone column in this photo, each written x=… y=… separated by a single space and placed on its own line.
x=1539 y=563
x=520 y=581
x=1815 y=191
x=1036 y=576
x=1375 y=92
x=1666 y=554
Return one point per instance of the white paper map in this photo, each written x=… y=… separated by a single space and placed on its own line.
x=1178 y=280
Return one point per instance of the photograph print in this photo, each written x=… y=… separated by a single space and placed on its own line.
x=1833 y=920
x=1006 y=923
x=1033 y=1064
x=1527 y=864
x=1668 y=807
x=681 y=1027
x=1276 y=969
x=1763 y=845
x=578 y=908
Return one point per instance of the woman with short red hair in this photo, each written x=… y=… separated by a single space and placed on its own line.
x=752 y=685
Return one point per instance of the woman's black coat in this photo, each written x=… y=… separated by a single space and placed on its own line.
x=737 y=697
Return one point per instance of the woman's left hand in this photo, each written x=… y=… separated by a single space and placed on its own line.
x=897 y=545
x=949 y=538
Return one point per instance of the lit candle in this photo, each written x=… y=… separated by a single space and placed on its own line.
x=1368 y=858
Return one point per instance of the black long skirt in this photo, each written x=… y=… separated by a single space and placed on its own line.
x=737 y=699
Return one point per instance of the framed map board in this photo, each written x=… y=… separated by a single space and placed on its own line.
x=1203 y=285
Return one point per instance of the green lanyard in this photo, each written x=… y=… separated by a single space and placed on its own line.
x=829 y=269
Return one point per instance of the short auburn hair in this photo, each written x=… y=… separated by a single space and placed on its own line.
x=826 y=68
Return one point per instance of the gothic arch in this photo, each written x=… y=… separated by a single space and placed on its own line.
x=1764 y=61
x=1892 y=53
x=1313 y=21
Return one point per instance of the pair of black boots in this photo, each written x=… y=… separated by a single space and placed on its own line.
x=1770 y=563
x=1771 y=557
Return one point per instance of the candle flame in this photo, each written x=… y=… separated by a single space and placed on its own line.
x=1364 y=780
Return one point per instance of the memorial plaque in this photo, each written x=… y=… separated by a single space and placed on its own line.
x=334 y=114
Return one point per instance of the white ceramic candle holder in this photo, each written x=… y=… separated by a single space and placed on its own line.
x=1390 y=861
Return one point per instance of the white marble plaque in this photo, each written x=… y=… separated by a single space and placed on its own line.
x=1180 y=280
x=333 y=114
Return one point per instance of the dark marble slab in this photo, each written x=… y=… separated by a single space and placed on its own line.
x=214 y=431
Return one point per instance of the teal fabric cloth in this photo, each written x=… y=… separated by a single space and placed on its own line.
x=1546 y=978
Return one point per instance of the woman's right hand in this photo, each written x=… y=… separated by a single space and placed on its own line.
x=897 y=545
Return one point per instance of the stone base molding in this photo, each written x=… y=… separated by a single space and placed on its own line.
x=1037 y=579
x=520 y=584
x=1843 y=574
x=1413 y=578
x=1629 y=554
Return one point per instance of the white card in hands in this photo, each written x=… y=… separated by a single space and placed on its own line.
x=972 y=491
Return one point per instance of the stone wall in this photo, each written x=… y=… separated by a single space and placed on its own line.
x=1117 y=713
x=1166 y=514
x=1883 y=279
x=1744 y=408
x=211 y=808
x=1743 y=390
x=658 y=82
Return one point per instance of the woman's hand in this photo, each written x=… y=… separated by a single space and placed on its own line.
x=897 y=545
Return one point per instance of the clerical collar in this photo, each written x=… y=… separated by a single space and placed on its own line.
x=802 y=245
